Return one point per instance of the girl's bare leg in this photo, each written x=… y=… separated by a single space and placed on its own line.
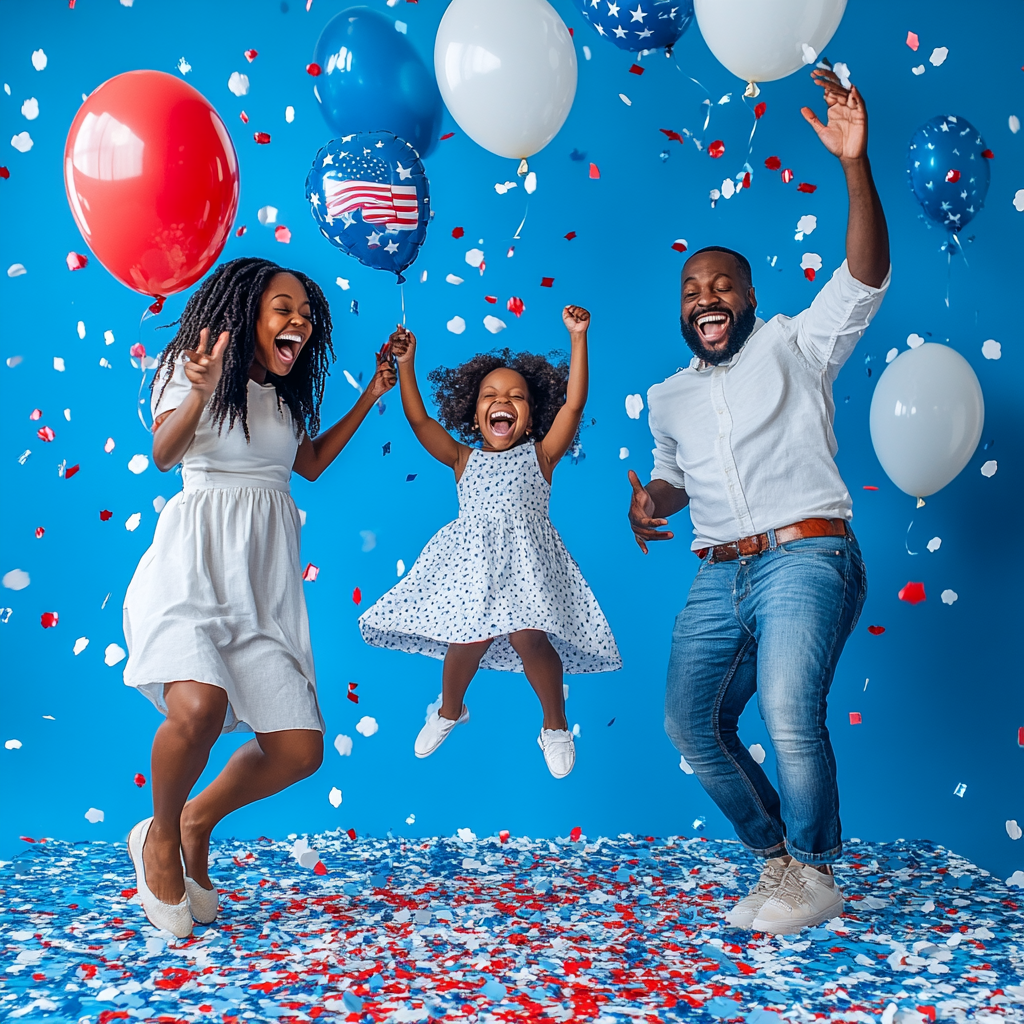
x=543 y=669
x=461 y=662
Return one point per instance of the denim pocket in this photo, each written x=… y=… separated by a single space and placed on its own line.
x=828 y=547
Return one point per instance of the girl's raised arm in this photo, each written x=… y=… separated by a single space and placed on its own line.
x=563 y=430
x=428 y=431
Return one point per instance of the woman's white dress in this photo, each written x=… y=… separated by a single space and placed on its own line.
x=500 y=567
x=218 y=597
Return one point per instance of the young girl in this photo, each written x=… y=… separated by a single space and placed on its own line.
x=497 y=588
x=215 y=616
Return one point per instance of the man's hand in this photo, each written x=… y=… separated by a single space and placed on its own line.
x=204 y=367
x=403 y=344
x=846 y=133
x=576 y=319
x=383 y=379
x=641 y=508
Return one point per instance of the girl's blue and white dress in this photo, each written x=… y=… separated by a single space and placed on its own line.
x=500 y=567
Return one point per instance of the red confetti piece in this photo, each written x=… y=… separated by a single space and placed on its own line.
x=759 y=110
x=572 y=32
x=244 y=117
x=672 y=135
x=71 y=471
x=319 y=869
x=953 y=176
x=458 y=232
x=76 y=261
x=45 y=434
x=310 y=573
x=855 y=718
x=313 y=69
x=262 y=138
x=39 y=532
x=251 y=55
x=804 y=187
x=569 y=237
x=127 y=894
x=492 y=299
x=912 y=593
x=1020 y=736
x=773 y=163
x=139 y=780
x=282 y=234
x=928 y=1011
x=547 y=282
x=28 y=839
x=444 y=138
x=679 y=245
x=876 y=630
x=515 y=305
x=351 y=833
x=503 y=835
x=4 y=173
x=240 y=232
x=635 y=69
x=35 y=414
x=716 y=149
x=988 y=154
x=138 y=350
x=870 y=487
x=357 y=596
x=594 y=172
x=787 y=176
x=158 y=305
x=574 y=835
x=746 y=180
x=809 y=273
x=105 y=514
x=912 y=40
x=49 y=619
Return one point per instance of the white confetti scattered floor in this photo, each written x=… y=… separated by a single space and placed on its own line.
x=626 y=929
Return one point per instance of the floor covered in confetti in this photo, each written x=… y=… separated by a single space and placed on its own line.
x=626 y=929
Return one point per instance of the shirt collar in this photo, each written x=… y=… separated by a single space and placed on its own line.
x=698 y=364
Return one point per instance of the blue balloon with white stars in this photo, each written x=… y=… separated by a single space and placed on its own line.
x=650 y=25
x=370 y=198
x=947 y=167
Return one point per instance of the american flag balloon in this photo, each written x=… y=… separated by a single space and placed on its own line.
x=370 y=198
x=641 y=25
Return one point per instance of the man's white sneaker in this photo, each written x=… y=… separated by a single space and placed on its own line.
x=436 y=730
x=173 y=917
x=743 y=913
x=805 y=897
x=559 y=751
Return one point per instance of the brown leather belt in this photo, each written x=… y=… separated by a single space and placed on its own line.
x=760 y=543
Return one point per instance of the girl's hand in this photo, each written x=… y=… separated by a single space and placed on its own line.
x=576 y=319
x=383 y=379
x=403 y=345
x=204 y=367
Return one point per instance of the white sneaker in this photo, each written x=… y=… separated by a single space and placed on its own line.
x=436 y=730
x=559 y=751
x=805 y=897
x=173 y=917
x=743 y=913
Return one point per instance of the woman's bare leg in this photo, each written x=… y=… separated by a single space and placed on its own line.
x=543 y=668
x=461 y=662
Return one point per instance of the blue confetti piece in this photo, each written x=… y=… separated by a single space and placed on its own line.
x=410 y=477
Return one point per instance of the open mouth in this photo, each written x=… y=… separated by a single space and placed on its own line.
x=501 y=422
x=288 y=347
x=713 y=326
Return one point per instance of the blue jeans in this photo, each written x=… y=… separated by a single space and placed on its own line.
x=774 y=624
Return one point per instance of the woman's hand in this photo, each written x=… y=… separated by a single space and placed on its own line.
x=383 y=379
x=403 y=344
x=205 y=367
x=576 y=320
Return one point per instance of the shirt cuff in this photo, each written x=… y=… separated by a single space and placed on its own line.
x=844 y=272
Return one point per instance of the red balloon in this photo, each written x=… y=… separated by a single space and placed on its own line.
x=152 y=179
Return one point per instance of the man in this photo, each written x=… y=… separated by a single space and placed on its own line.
x=744 y=436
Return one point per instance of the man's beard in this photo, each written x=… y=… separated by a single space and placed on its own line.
x=740 y=330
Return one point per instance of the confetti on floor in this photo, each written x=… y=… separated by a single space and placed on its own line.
x=625 y=929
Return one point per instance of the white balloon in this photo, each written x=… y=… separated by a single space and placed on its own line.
x=927 y=414
x=507 y=72
x=762 y=40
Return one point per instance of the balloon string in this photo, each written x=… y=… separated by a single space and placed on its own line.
x=526 y=213
x=706 y=102
x=401 y=289
x=148 y=427
x=906 y=541
x=753 y=129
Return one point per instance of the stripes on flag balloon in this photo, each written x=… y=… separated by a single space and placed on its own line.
x=650 y=25
x=394 y=206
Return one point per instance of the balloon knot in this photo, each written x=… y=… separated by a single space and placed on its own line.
x=752 y=89
x=524 y=168
x=401 y=279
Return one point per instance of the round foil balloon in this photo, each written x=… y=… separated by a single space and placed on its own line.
x=927 y=414
x=507 y=72
x=655 y=24
x=371 y=199
x=152 y=179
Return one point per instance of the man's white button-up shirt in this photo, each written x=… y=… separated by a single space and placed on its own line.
x=751 y=440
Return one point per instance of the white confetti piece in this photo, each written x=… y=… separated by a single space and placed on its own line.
x=289 y=114
x=13 y=361
x=158 y=503
x=891 y=354
x=456 y=325
x=302 y=514
x=961 y=790
x=531 y=183
x=183 y=66
x=80 y=644
x=423 y=277
x=131 y=524
x=352 y=380
x=1014 y=123
x=1013 y=830
x=334 y=797
x=728 y=189
x=12 y=744
x=586 y=52
x=16 y=270
x=623 y=453
x=493 y=324
x=112 y=654
x=94 y=815
x=452 y=279
x=1016 y=880
x=1018 y=200
x=38 y=60
x=369 y=540
x=367 y=726
x=22 y=142
x=935 y=543
x=108 y=337
x=914 y=340
x=634 y=406
x=58 y=364
x=81 y=328
x=267 y=215
x=474 y=257
x=756 y=751
x=401 y=26
x=939 y=54
x=411 y=820
x=625 y=99
x=843 y=72
x=138 y=464
x=467 y=835
x=400 y=568
x=684 y=765
x=109 y=446
x=67 y=415
x=804 y=226
x=238 y=83
x=949 y=596
x=16 y=579
x=809 y=52
x=991 y=349
x=989 y=468
x=343 y=744
x=919 y=70
x=810 y=261
x=30 y=109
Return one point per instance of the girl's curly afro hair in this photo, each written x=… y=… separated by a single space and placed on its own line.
x=456 y=389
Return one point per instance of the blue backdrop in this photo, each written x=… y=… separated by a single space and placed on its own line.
x=943 y=705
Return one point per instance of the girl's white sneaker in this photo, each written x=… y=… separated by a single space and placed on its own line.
x=435 y=731
x=175 y=918
x=559 y=751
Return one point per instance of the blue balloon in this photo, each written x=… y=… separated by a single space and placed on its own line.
x=652 y=25
x=371 y=79
x=371 y=199
x=947 y=165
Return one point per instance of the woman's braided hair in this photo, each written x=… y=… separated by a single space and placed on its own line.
x=229 y=300
x=456 y=389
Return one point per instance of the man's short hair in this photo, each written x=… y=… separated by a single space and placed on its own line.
x=742 y=260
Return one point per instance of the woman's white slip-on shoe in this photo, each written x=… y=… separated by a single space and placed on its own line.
x=175 y=918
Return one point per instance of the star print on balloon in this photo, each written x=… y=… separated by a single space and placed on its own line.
x=947 y=166
x=371 y=199
x=650 y=25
